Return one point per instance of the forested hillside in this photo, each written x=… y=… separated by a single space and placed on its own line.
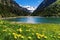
x=51 y=11
x=11 y=9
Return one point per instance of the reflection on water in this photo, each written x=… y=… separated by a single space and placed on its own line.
x=35 y=20
x=30 y=20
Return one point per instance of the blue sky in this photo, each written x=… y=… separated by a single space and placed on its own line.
x=33 y=3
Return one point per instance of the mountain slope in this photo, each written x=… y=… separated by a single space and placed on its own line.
x=52 y=10
x=11 y=8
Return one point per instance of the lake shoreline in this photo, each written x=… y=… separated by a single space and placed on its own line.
x=26 y=16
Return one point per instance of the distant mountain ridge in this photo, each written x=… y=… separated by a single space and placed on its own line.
x=11 y=8
x=30 y=8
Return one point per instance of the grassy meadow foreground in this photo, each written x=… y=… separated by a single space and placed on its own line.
x=21 y=31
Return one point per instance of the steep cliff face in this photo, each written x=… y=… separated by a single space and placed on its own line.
x=11 y=8
x=46 y=8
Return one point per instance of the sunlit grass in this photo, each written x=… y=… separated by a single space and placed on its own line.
x=21 y=31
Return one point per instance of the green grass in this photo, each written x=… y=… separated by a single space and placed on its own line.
x=21 y=31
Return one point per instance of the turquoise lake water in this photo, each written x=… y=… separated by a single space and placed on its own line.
x=34 y=20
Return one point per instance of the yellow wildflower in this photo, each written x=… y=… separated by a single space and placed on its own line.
x=29 y=37
x=19 y=35
x=20 y=30
x=38 y=37
x=22 y=36
x=42 y=35
x=45 y=36
x=15 y=35
x=37 y=33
